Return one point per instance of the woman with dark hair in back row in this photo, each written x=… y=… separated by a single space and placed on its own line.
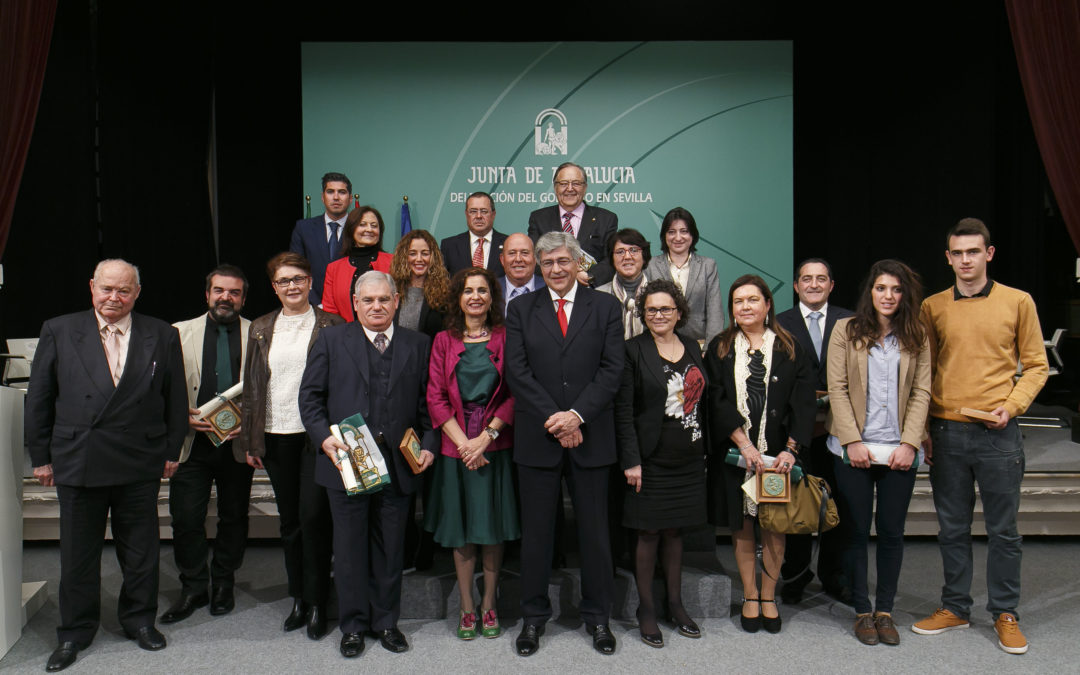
x=361 y=246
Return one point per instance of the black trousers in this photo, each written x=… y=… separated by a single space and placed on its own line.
x=303 y=515
x=539 y=495
x=189 y=495
x=832 y=567
x=369 y=550
x=83 y=514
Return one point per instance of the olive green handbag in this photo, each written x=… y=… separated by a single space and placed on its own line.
x=810 y=510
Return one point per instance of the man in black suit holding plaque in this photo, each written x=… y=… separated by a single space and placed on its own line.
x=380 y=370
x=811 y=322
x=106 y=413
x=564 y=351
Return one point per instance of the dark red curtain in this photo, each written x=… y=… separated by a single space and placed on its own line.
x=25 y=30
x=1046 y=35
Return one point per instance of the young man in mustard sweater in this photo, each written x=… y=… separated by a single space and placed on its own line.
x=977 y=329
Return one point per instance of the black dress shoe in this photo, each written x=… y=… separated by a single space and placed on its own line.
x=298 y=617
x=63 y=656
x=392 y=640
x=316 y=627
x=603 y=640
x=751 y=624
x=184 y=607
x=652 y=639
x=148 y=638
x=222 y=600
x=686 y=629
x=774 y=623
x=352 y=645
x=528 y=641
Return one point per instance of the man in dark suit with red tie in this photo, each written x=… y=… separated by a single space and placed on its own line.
x=811 y=321
x=480 y=245
x=564 y=350
x=592 y=226
x=319 y=239
x=106 y=414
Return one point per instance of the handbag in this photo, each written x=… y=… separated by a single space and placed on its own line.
x=810 y=510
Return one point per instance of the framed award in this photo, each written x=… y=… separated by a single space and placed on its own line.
x=410 y=448
x=774 y=487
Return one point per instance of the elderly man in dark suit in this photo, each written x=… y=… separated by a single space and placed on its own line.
x=564 y=350
x=481 y=244
x=106 y=414
x=319 y=239
x=379 y=370
x=592 y=226
x=811 y=321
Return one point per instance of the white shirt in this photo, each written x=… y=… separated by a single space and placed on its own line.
x=568 y=308
x=575 y=221
x=341 y=225
x=287 y=358
x=806 y=317
x=487 y=245
x=680 y=275
x=389 y=333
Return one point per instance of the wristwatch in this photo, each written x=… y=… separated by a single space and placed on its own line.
x=492 y=431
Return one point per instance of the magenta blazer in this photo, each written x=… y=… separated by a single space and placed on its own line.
x=444 y=399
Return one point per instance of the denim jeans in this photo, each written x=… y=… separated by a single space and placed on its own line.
x=966 y=453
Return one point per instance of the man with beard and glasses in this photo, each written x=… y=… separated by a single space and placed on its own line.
x=213 y=346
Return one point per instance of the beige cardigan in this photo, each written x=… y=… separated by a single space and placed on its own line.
x=847 y=390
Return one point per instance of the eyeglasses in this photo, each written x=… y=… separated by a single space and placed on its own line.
x=478 y=212
x=577 y=184
x=628 y=252
x=285 y=283
x=662 y=311
x=561 y=262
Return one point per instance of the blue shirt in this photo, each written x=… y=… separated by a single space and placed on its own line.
x=882 y=396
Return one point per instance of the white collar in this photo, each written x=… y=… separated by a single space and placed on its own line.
x=806 y=310
x=389 y=333
x=570 y=295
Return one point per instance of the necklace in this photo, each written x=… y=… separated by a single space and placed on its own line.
x=669 y=359
x=483 y=334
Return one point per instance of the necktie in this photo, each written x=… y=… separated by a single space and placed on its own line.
x=478 y=254
x=561 y=314
x=112 y=352
x=815 y=332
x=516 y=291
x=566 y=226
x=380 y=342
x=333 y=244
x=223 y=365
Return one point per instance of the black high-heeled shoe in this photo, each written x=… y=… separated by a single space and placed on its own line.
x=652 y=639
x=771 y=624
x=686 y=628
x=751 y=624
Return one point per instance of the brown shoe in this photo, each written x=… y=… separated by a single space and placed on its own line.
x=939 y=622
x=1009 y=636
x=886 y=629
x=865 y=630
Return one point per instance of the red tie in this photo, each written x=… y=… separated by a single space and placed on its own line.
x=566 y=226
x=562 y=315
x=478 y=254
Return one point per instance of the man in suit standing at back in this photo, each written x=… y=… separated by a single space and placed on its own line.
x=519 y=268
x=592 y=226
x=564 y=351
x=319 y=239
x=481 y=244
x=106 y=414
x=811 y=321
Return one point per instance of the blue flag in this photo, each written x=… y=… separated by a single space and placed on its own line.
x=406 y=219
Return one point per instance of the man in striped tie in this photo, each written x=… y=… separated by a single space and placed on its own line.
x=480 y=245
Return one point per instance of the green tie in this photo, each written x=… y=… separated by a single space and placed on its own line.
x=223 y=367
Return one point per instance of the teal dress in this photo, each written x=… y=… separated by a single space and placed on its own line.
x=474 y=507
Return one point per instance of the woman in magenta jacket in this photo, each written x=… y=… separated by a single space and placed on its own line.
x=472 y=498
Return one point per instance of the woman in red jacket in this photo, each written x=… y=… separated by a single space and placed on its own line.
x=361 y=246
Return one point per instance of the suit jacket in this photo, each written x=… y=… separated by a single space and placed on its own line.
x=847 y=390
x=95 y=434
x=457 y=256
x=444 y=397
x=597 y=226
x=309 y=240
x=192 y=333
x=505 y=287
x=335 y=386
x=703 y=295
x=549 y=373
x=792 y=321
x=642 y=399
x=337 y=292
x=252 y=438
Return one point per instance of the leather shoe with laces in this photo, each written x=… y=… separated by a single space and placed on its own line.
x=886 y=629
x=603 y=640
x=528 y=641
x=316 y=627
x=222 y=600
x=148 y=638
x=63 y=656
x=393 y=640
x=184 y=607
x=352 y=645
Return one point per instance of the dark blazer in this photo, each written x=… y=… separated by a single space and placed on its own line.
x=95 y=434
x=457 y=256
x=642 y=397
x=335 y=386
x=790 y=413
x=549 y=373
x=309 y=240
x=597 y=226
x=792 y=321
